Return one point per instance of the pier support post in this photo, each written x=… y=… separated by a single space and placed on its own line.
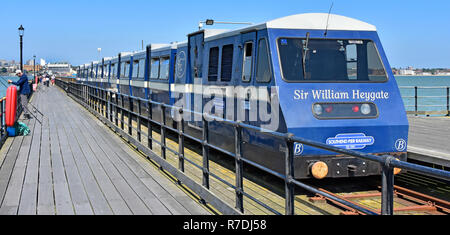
x=130 y=115
x=415 y=100
x=139 y=120
x=163 y=131
x=116 y=109
x=239 y=168
x=149 y=125
x=205 y=150
x=122 y=107
x=387 y=187
x=289 y=166
x=181 y=142
x=448 y=101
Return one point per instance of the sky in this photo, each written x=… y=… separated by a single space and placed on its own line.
x=413 y=33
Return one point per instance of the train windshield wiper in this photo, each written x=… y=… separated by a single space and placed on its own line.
x=305 y=50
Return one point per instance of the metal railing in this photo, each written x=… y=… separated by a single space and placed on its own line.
x=107 y=106
x=426 y=104
x=3 y=133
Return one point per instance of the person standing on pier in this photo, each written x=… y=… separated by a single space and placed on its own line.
x=25 y=90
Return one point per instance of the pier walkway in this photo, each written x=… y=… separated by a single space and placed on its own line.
x=429 y=140
x=72 y=164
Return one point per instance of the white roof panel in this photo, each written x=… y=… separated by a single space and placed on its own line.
x=313 y=21
x=319 y=21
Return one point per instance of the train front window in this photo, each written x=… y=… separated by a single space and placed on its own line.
x=330 y=60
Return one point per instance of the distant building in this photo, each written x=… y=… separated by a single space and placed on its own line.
x=62 y=69
x=42 y=62
x=30 y=62
x=30 y=68
x=408 y=71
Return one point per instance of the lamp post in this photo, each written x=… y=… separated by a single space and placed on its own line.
x=21 y=31
x=34 y=65
x=212 y=22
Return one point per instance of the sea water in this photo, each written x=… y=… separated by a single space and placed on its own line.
x=429 y=99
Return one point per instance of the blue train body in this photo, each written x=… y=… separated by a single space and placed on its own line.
x=328 y=77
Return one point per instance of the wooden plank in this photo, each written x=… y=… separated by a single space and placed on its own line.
x=8 y=162
x=431 y=135
x=10 y=203
x=63 y=202
x=132 y=200
x=28 y=200
x=79 y=197
x=139 y=187
x=90 y=150
x=141 y=190
x=4 y=150
x=156 y=180
x=46 y=200
x=174 y=206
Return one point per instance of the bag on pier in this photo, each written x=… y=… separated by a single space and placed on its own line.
x=19 y=129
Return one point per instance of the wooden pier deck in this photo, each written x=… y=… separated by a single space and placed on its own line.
x=71 y=164
x=429 y=139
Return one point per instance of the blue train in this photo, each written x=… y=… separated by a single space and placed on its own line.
x=321 y=77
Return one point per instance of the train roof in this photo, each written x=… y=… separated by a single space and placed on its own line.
x=312 y=21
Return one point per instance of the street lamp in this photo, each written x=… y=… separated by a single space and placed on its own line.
x=34 y=65
x=21 y=31
x=212 y=22
x=99 y=50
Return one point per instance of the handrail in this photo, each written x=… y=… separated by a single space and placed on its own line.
x=101 y=101
x=416 y=98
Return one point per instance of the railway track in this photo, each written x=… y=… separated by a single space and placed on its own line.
x=406 y=202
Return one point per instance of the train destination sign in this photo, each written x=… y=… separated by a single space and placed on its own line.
x=340 y=95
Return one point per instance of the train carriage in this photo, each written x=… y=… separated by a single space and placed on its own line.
x=322 y=77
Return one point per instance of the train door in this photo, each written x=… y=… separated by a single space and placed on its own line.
x=244 y=102
x=267 y=116
x=195 y=59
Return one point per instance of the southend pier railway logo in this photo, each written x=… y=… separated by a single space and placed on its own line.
x=351 y=141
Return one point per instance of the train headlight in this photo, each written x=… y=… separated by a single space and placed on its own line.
x=365 y=109
x=317 y=109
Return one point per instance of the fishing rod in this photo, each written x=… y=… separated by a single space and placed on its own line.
x=3 y=81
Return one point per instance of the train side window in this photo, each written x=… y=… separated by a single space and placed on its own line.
x=127 y=70
x=135 y=69
x=105 y=71
x=154 y=68
x=352 y=56
x=263 y=64
x=213 y=68
x=122 y=70
x=164 y=68
x=247 y=64
x=113 y=71
x=141 y=72
x=227 y=63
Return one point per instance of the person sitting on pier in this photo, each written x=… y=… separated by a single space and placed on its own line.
x=25 y=90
